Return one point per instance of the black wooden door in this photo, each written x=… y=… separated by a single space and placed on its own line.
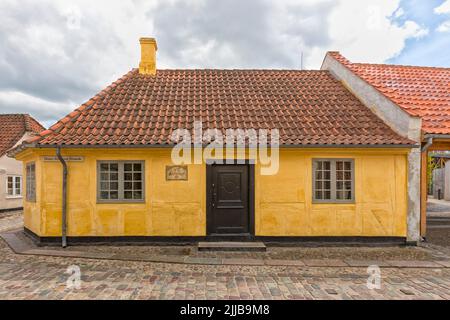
x=228 y=188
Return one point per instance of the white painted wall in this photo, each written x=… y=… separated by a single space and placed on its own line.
x=447 y=182
x=396 y=118
x=9 y=166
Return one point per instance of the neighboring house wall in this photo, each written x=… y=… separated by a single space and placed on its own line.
x=400 y=121
x=438 y=183
x=10 y=167
x=447 y=182
x=283 y=202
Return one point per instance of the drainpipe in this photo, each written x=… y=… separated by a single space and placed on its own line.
x=427 y=145
x=64 y=197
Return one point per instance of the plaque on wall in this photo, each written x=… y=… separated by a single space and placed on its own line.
x=176 y=173
x=67 y=159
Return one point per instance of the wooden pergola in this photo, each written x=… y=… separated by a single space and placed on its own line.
x=432 y=143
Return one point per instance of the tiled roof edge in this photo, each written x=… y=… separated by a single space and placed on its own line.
x=58 y=126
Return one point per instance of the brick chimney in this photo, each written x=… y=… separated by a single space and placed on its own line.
x=148 y=56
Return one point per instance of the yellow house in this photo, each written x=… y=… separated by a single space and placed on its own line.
x=309 y=160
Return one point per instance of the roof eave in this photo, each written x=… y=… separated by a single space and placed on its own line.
x=166 y=146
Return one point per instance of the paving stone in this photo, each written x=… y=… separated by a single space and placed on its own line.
x=407 y=292
x=445 y=263
x=231 y=246
x=273 y=262
x=195 y=260
x=324 y=263
x=414 y=264
x=250 y=262
x=366 y=263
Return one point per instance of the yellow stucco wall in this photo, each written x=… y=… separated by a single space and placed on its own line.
x=283 y=203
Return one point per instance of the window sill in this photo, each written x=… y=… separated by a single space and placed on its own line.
x=121 y=202
x=352 y=202
x=14 y=197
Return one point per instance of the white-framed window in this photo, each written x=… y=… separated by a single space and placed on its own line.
x=120 y=181
x=14 y=186
x=333 y=181
x=31 y=182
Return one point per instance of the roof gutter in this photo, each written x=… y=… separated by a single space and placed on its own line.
x=281 y=146
x=64 y=197
x=438 y=136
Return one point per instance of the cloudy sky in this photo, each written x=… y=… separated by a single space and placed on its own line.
x=54 y=55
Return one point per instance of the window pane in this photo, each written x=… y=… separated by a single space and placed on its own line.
x=128 y=167
x=319 y=185
x=104 y=167
x=128 y=195
x=137 y=167
x=348 y=166
x=339 y=165
x=327 y=185
x=137 y=185
x=104 y=176
x=339 y=195
x=104 y=186
x=319 y=195
x=10 y=186
x=128 y=177
x=137 y=195
x=327 y=195
x=319 y=175
x=327 y=165
x=31 y=182
x=128 y=186
x=104 y=195
x=114 y=186
x=137 y=176
x=114 y=195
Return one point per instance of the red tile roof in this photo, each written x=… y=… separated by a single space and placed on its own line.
x=13 y=128
x=308 y=107
x=420 y=91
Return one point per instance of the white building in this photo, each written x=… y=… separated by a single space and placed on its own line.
x=14 y=128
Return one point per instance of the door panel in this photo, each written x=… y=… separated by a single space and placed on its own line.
x=229 y=200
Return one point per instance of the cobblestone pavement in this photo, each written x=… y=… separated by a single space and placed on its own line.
x=31 y=277
x=11 y=221
x=38 y=277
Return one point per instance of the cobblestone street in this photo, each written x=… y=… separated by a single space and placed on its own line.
x=37 y=277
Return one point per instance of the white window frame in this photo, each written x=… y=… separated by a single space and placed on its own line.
x=333 y=181
x=30 y=194
x=14 y=194
x=121 y=181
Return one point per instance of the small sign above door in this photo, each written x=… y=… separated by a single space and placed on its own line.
x=176 y=173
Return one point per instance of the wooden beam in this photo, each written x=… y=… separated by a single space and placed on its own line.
x=423 y=194
x=440 y=146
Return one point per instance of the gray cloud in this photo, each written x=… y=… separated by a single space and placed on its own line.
x=57 y=54
x=240 y=34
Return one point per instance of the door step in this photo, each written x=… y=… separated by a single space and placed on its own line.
x=232 y=246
